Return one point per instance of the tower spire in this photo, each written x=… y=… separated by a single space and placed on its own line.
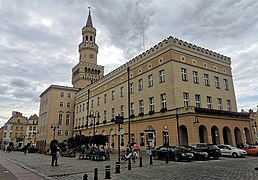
x=89 y=21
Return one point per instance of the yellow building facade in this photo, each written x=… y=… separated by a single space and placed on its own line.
x=175 y=90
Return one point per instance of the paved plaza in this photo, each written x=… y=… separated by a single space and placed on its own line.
x=74 y=168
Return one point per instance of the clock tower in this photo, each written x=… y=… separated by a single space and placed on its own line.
x=87 y=71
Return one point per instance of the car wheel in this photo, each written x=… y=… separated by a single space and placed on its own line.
x=156 y=156
x=215 y=157
x=176 y=158
x=234 y=155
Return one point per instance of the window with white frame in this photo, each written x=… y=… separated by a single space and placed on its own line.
x=122 y=110
x=150 y=80
x=80 y=110
x=132 y=108
x=98 y=101
x=113 y=113
x=140 y=84
x=30 y=128
x=163 y=101
x=82 y=121
x=68 y=104
x=83 y=107
x=209 y=102
x=76 y=124
x=228 y=105
x=162 y=76
x=197 y=100
x=184 y=74
x=151 y=103
x=131 y=87
x=216 y=79
x=195 y=77
x=113 y=94
x=67 y=120
x=92 y=103
x=122 y=91
x=105 y=98
x=61 y=104
x=225 y=84
x=141 y=106
x=59 y=132
x=77 y=109
x=69 y=95
x=219 y=103
x=142 y=139
x=206 y=80
x=66 y=132
x=60 y=119
x=17 y=128
x=62 y=94
x=186 y=99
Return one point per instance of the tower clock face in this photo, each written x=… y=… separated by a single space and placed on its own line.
x=91 y=56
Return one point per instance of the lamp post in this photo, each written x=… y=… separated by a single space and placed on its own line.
x=93 y=115
x=177 y=125
x=119 y=120
x=54 y=127
x=129 y=125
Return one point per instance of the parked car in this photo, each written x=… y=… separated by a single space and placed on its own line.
x=199 y=155
x=251 y=150
x=228 y=150
x=174 y=153
x=212 y=150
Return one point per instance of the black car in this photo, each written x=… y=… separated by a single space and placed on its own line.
x=199 y=155
x=212 y=150
x=174 y=153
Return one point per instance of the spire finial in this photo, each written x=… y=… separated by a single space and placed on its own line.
x=89 y=9
x=89 y=21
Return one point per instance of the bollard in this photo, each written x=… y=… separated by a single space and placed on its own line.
x=117 y=167
x=140 y=161
x=151 y=160
x=107 y=172
x=96 y=174
x=85 y=177
x=167 y=159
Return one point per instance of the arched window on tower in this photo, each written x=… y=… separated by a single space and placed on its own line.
x=86 y=38
x=91 y=39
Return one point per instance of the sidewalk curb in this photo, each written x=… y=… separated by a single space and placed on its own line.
x=31 y=170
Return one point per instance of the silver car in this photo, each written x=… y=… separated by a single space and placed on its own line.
x=228 y=150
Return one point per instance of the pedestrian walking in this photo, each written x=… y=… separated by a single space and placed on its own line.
x=25 y=149
x=54 y=150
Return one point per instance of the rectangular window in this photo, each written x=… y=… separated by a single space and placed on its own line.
x=163 y=101
x=162 y=76
x=10 y=135
x=197 y=100
x=131 y=88
x=140 y=84
x=216 y=78
x=77 y=109
x=122 y=110
x=206 y=80
x=105 y=98
x=151 y=103
x=186 y=99
x=132 y=108
x=141 y=106
x=59 y=132
x=17 y=128
x=228 y=105
x=83 y=121
x=62 y=94
x=76 y=122
x=66 y=132
x=68 y=104
x=113 y=113
x=150 y=80
x=69 y=95
x=67 y=120
x=122 y=91
x=79 y=121
x=83 y=107
x=30 y=128
x=141 y=139
x=219 y=104
x=184 y=74
x=113 y=95
x=209 y=103
x=132 y=137
x=195 y=77
x=105 y=115
x=61 y=104
x=226 y=84
x=80 y=108
x=60 y=119
x=98 y=101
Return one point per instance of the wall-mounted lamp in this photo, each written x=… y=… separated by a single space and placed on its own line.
x=196 y=120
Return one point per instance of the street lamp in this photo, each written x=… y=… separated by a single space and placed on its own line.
x=93 y=115
x=119 y=120
x=54 y=126
x=129 y=123
x=177 y=125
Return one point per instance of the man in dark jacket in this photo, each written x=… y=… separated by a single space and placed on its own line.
x=53 y=147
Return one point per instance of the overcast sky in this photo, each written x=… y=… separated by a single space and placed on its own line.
x=39 y=41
